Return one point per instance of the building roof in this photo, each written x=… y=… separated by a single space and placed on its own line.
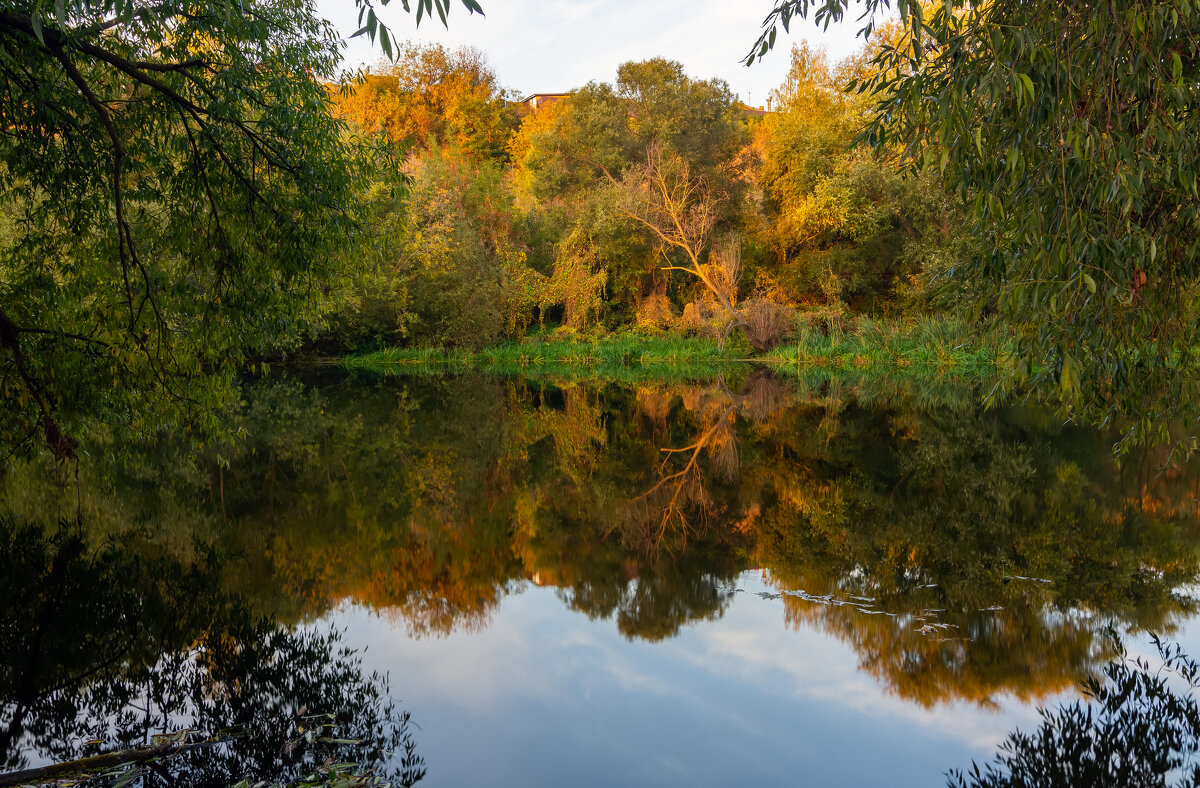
x=533 y=96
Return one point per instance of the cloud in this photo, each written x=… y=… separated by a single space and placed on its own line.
x=555 y=45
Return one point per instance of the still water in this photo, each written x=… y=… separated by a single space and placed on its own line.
x=755 y=579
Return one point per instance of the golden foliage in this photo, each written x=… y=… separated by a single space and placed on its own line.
x=433 y=95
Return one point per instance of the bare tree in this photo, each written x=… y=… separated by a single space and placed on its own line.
x=680 y=210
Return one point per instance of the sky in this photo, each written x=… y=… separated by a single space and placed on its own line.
x=554 y=46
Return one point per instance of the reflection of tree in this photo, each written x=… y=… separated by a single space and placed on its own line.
x=432 y=499
x=679 y=504
x=947 y=514
x=108 y=646
x=1139 y=727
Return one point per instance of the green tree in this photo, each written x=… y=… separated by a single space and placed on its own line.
x=173 y=185
x=842 y=220
x=1072 y=131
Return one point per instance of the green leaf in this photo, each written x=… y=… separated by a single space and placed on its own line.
x=1028 y=85
x=385 y=42
x=1089 y=283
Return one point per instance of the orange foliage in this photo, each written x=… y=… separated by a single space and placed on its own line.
x=434 y=96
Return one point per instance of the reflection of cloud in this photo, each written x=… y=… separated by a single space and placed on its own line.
x=815 y=666
x=452 y=664
x=745 y=672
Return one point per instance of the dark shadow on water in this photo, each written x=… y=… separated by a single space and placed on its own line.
x=109 y=645
x=1138 y=726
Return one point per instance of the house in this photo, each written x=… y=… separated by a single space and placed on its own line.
x=533 y=101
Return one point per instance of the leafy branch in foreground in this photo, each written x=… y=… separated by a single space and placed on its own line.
x=1072 y=132
x=370 y=26
x=171 y=183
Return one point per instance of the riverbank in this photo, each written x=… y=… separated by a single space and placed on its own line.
x=930 y=348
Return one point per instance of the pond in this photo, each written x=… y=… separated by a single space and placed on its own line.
x=757 y=577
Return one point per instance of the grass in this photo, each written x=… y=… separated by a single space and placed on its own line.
x=615 y=357
x=926 y=349
x=925 y=346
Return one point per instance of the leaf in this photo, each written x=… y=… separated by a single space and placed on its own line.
x=1027 y=83
x=1089 y=283
x=35 y=21
x=1065 y=381
x=385 y=41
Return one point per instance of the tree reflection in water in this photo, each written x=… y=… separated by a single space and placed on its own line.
x=1140 y=726
x=108 y=646
x=963 y=554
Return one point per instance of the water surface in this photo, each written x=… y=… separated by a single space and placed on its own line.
x=757 y=577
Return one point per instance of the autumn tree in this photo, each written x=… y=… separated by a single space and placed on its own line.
x=566 y=155
x=835 y=211
x=461 y=255
x=433 y=95
x=679 y=211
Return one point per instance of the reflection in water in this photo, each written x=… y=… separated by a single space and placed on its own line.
x=1140 y=727
x=109 y=646
x=963 y=555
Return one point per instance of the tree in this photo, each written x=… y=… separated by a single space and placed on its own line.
x=432 y=95
x=119 y=647
x=172 y=185
x=461 y=257
x=1141 y=726
x=1072 y=131
x=566 y=154
x=679 y=210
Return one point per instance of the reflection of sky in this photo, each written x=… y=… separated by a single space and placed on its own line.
x=544 y=696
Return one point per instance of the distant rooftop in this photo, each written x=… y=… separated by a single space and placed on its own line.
x=535 y=100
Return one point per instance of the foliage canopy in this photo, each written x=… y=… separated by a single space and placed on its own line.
x=172 y=182
x=1072 y=131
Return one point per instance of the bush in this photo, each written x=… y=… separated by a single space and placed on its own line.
x=767 y=323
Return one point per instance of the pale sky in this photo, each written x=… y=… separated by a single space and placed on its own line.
x=553 y=46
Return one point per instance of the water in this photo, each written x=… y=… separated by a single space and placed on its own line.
x=758 y=578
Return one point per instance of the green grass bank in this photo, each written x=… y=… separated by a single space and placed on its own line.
x=928 y=348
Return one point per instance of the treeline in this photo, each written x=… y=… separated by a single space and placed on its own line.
x=656 y=202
